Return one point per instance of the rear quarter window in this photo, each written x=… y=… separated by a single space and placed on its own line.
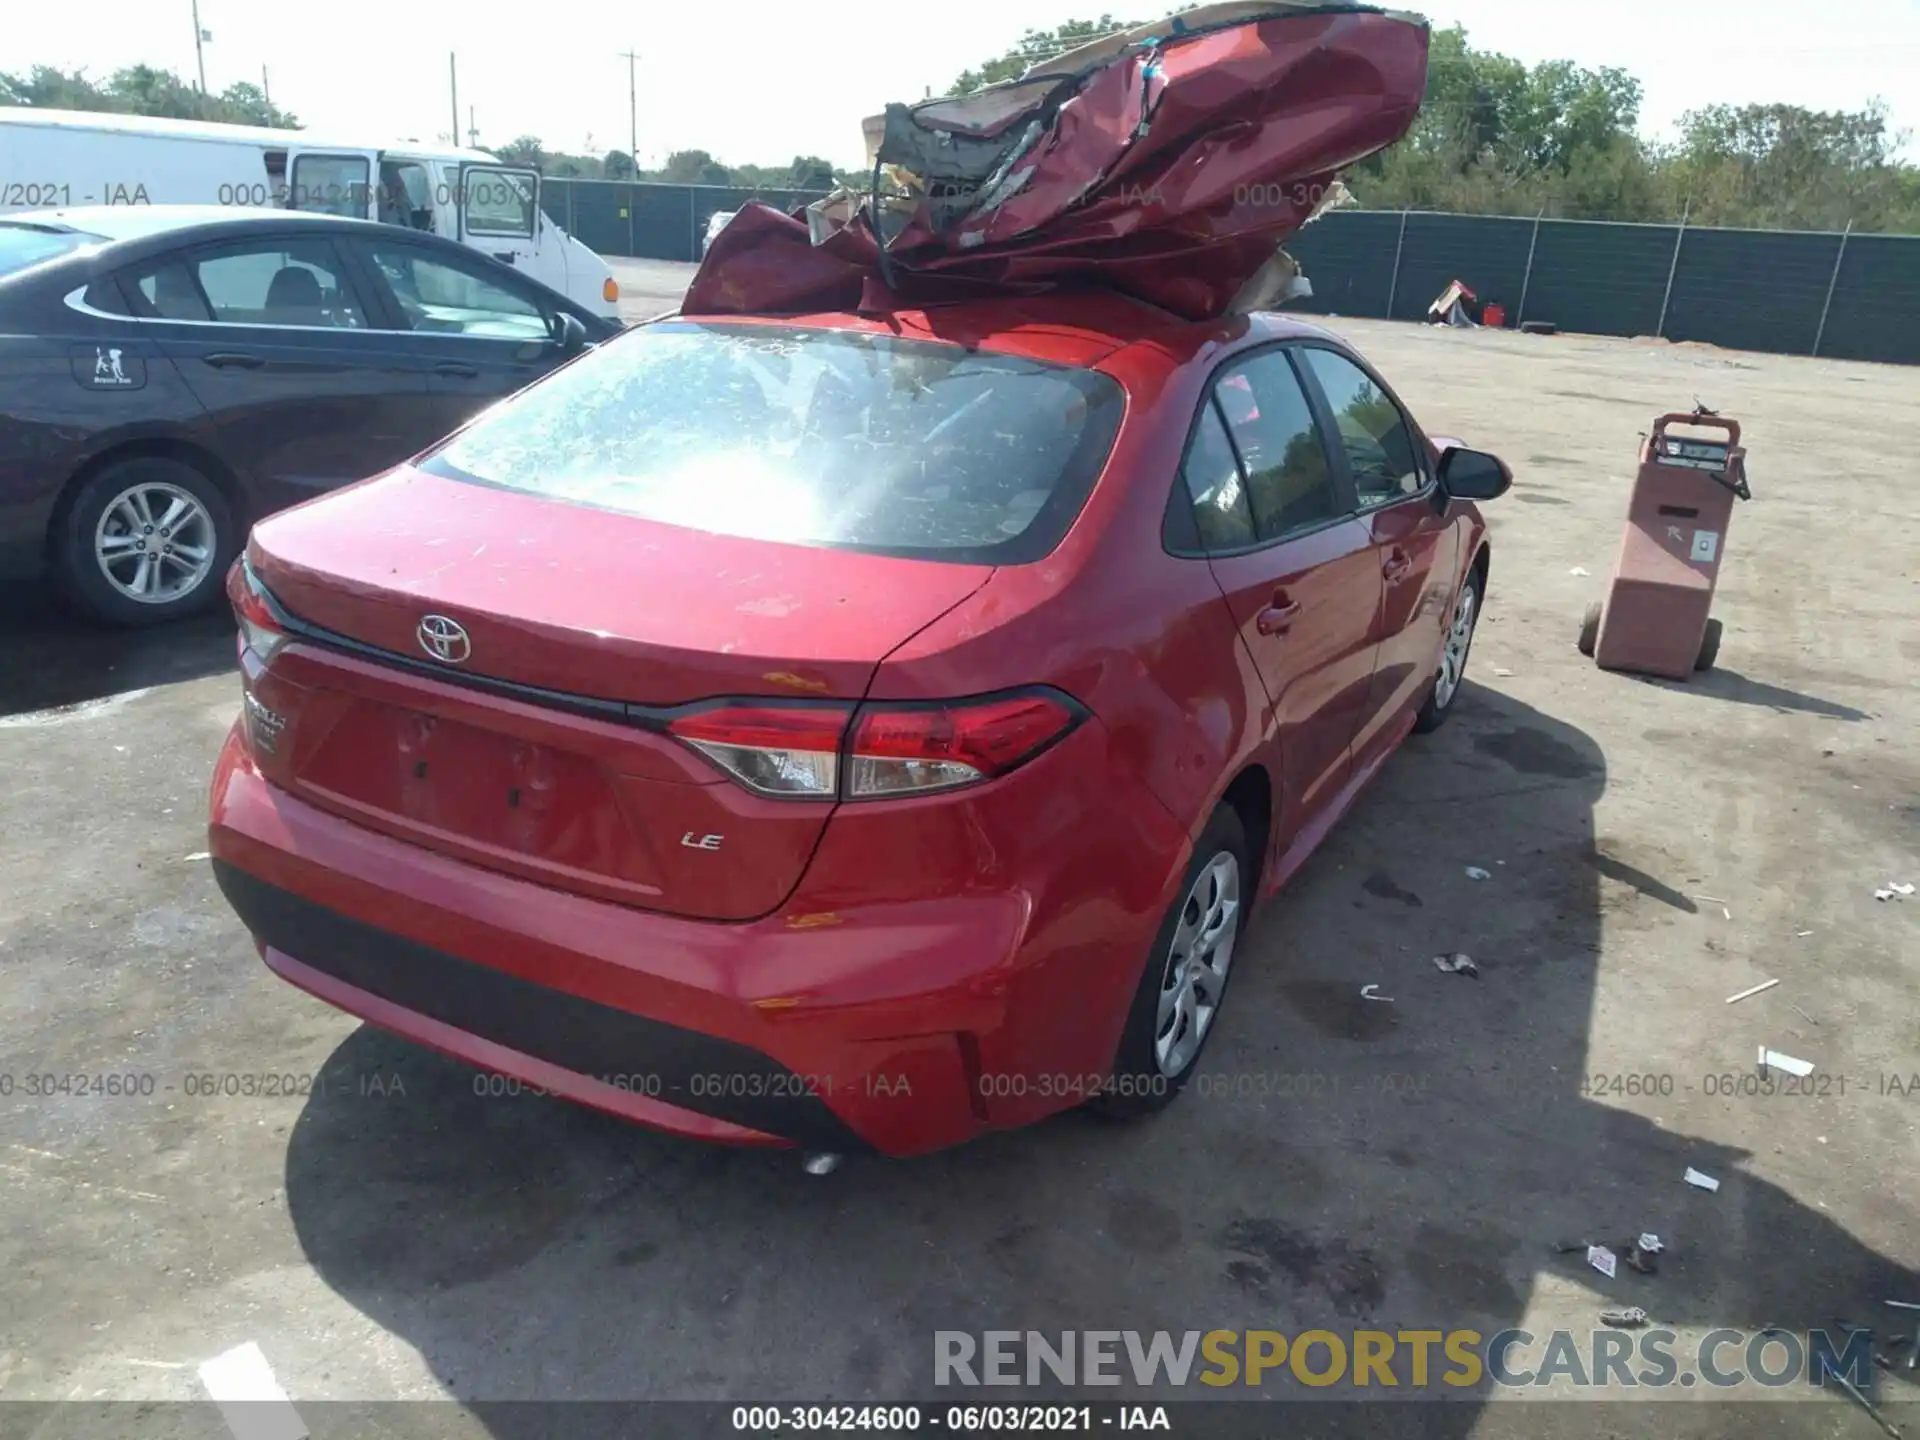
x=815 y=437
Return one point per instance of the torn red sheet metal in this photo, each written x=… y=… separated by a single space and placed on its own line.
x=1169 y=163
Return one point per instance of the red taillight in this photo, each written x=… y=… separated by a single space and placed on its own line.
x=911 y=750
x=794 y=751
x=261 y=637
x=787 y=750
x=259 y=631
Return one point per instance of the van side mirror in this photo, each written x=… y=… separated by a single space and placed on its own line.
x=569 y=335
x=1474 y=475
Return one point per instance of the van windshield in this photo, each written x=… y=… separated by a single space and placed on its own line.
x=815 y=437
x=24 y=245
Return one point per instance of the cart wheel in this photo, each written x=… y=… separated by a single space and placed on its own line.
x=1709 y=647
x=1589 y=629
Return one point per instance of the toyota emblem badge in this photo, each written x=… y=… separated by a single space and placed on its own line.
x=445 y=640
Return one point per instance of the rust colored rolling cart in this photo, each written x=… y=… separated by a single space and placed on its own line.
x=1656 y=618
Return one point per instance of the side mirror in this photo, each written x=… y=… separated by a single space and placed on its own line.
x=569 y=335
x=1474 y=475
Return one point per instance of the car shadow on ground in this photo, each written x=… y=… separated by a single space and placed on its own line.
x=56 y=658
x=1337 y=1163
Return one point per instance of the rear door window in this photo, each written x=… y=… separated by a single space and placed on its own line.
x=816 y=437
x=1289 y=481
x=1221 y=512
x=290 y=281
x=168 y=291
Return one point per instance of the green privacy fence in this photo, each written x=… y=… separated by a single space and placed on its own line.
x=1790 y=292
x=650 y=222
x=1848 y=296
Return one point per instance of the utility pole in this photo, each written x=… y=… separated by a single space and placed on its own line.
x=473 y=131
x=265 y=93
x=199 y=55
x=453 y=86
x=633 y=115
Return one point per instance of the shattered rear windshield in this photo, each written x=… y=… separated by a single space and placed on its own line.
x=815 y=437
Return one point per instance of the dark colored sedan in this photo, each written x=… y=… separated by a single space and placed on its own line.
x=169 y=374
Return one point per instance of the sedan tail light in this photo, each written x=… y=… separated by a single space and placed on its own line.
x=260 y=633
x=261 y=637
x=804 y=751
x=909 y=750
x=772 y=749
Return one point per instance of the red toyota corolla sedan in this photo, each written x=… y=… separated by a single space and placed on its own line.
x=837 y=731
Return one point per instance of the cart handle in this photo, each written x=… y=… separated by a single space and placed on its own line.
x=1704 y=422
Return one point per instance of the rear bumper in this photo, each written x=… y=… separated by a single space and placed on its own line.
x=587 y=1051
x=894 y=1026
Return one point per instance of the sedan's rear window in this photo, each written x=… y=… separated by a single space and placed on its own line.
x=24 y=245
x=817 y=437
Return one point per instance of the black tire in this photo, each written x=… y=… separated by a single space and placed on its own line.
x=1433 y=714
x=1709 y=647
x=1589 y=630
x=1141 y=1085
x=78 y=571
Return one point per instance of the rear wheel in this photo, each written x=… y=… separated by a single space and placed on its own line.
x=145 y=541
x=1589 y=630
x=1184 y=982
x=1709 y=647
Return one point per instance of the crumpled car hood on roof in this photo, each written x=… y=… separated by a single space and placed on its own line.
x=1168 y=162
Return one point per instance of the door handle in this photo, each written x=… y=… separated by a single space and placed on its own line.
x=504 y=256
x=232 y=360
x=1278 y=617
x=456 y=369
x=1396 y=566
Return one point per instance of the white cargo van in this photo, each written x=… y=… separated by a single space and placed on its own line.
x=56 y=159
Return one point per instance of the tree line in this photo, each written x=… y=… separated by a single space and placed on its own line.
x=142 y=90
x=145 y=90
x=1495 y=136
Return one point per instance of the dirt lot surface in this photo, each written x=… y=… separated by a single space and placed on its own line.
x=1653 y=848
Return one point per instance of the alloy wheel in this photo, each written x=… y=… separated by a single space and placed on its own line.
x=155 y=543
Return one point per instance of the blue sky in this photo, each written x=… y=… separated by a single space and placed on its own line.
x=760 y=82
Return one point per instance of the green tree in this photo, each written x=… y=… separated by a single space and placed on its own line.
x=618 y=165
x=1035 y=46
x=1781 y=165
x=809 y=172
x=523 y=150
x=142 y=90
x=695 y=167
